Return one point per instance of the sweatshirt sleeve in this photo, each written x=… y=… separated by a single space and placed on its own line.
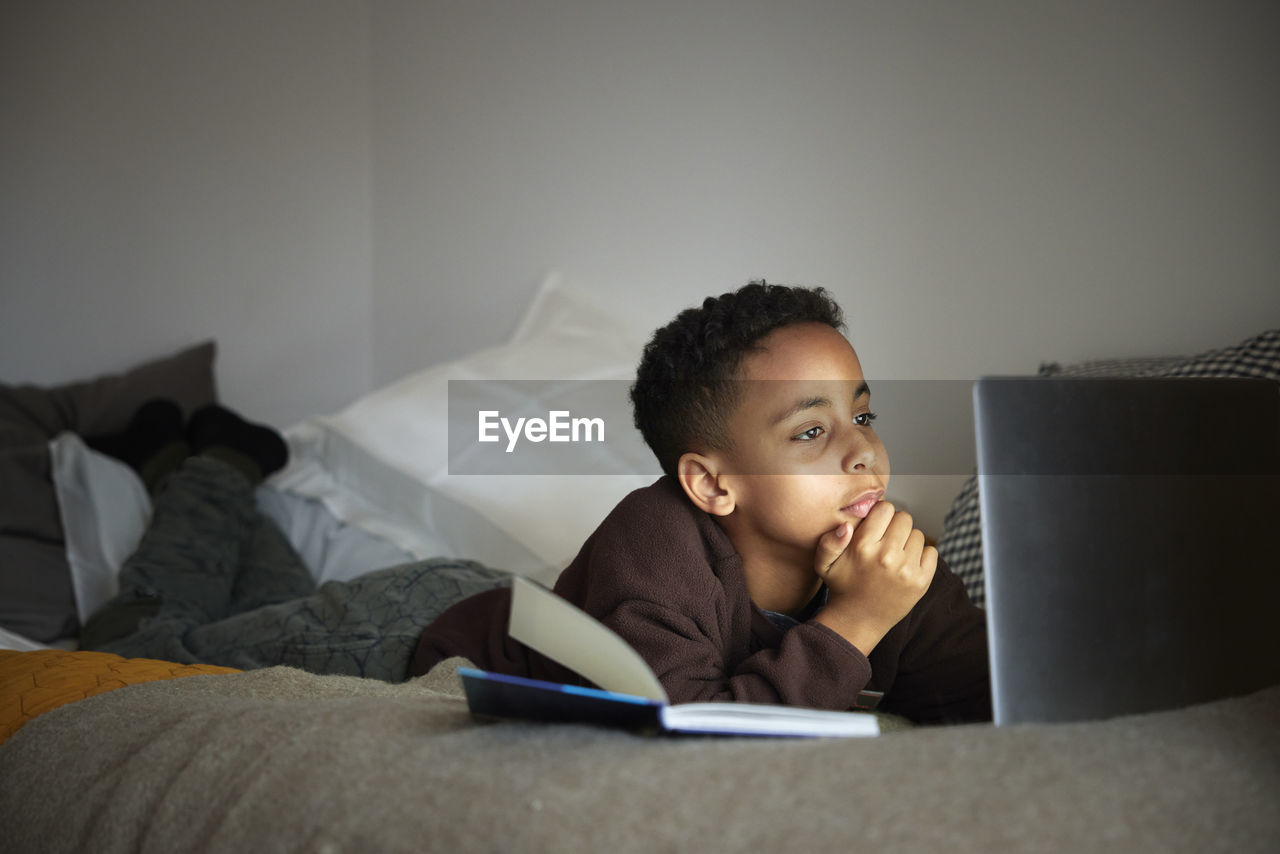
x=681 y=601
x=696 y=662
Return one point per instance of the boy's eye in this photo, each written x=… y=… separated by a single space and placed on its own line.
x=864 y=419
x=809 y=435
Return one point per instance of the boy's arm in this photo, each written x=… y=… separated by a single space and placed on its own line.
x=668 y=581
x=893 y=598
x=813 y=666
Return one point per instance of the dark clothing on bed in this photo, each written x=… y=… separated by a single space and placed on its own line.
x=217 y=583
x=664 y=576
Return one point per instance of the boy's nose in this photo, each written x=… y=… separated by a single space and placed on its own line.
x=860 y=455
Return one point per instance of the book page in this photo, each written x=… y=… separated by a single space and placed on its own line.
x=756 y=719
x=569 y=636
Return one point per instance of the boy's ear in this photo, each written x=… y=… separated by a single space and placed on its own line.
x=699 y=476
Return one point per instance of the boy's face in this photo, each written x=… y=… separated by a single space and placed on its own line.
x=803 y=457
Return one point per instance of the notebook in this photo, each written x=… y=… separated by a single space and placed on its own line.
x=1129 y=536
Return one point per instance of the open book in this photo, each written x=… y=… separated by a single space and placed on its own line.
x=629 y=694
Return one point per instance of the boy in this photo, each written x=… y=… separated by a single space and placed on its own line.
x=764 y=566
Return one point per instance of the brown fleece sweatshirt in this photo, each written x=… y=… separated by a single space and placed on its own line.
x=664 y=576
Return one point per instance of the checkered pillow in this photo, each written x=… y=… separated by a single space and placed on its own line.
x=961 y=542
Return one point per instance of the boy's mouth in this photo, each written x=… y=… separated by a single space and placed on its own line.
x=862 y=506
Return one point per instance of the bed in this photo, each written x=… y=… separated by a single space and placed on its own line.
x=108 y=754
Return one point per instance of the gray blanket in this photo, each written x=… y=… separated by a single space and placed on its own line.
x=280 y=760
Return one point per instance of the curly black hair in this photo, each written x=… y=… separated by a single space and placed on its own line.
x=684 y=391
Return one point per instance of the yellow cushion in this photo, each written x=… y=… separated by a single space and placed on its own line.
x=32 y=683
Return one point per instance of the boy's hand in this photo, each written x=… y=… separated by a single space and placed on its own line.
x=875 y=574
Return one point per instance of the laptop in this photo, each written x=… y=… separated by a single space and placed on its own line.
x=1129 y=531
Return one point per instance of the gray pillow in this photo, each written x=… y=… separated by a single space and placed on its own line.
x=36 y=598
x=961 y=542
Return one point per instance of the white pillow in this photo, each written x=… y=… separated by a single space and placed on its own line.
x=104 y=509
x=383 y=462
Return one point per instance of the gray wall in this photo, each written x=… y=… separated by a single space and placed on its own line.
x=171 y=171
x=343 y=192
x=984 y=184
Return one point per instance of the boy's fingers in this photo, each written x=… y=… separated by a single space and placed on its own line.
x=831 y=545
x=872 y=528
x=898 y=530
x=915 y=546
